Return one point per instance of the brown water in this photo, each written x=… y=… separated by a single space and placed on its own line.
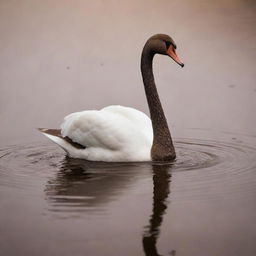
x=59 y=57
x=202 y=204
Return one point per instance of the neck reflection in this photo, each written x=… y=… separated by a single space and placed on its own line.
x=161 y=191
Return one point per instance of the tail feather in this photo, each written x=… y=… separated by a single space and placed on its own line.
x=55 y=135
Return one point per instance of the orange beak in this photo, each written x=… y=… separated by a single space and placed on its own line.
x=171 y=52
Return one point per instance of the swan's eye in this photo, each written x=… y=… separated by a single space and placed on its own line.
x=168 y=45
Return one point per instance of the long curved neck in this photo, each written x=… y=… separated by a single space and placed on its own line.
x=162 y=148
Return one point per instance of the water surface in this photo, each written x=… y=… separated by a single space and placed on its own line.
x=201 y=204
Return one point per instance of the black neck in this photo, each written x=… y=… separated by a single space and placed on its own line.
x=162 y=148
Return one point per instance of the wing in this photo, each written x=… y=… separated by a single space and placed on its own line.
x=113 y=127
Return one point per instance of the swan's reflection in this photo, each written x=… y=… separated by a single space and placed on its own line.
x=161 y=190
x=87 y=186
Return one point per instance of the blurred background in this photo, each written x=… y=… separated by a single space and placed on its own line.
x=58 y=57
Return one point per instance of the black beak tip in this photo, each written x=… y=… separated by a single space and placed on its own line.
x=182 y=65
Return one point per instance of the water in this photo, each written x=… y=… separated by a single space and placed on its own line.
x=59 y=57
x=202 y=204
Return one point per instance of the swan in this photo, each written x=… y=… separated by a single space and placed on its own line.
x=122 y=134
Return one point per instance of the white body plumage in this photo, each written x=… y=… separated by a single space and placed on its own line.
x=112 y=134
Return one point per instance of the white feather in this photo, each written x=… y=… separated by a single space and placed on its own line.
x=114 y=133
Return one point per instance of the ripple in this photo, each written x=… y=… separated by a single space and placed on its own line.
x=205 y=169
x=221 y=170
x=21 y=165
x=202 y=154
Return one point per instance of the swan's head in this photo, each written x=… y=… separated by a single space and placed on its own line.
x=165 y=45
